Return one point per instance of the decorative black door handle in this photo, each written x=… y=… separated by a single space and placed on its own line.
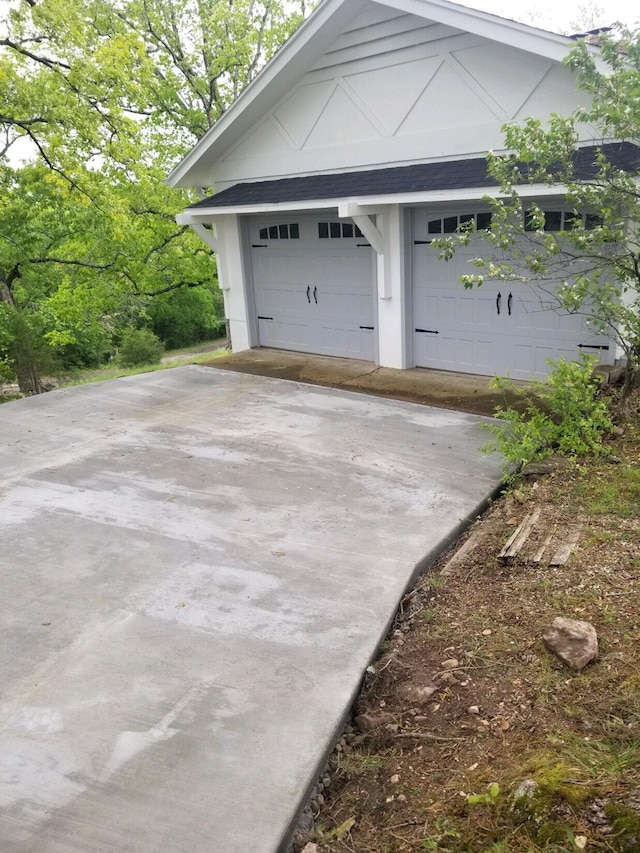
x=309 y=294
x=315 y=293
x=498 y=301
x=509 y=298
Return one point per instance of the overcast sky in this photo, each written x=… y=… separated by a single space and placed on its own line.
x=561 y=15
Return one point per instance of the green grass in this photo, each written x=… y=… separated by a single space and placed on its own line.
x=111 y=372
x=606 y=495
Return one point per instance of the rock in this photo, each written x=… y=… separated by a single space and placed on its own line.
x=310 y=848
x=525 y=790
x=546 y=466
x=573 y=641
x=394 y=779
x=418 y=694
x=474 y=709
x=452 y=663
x=370 y=722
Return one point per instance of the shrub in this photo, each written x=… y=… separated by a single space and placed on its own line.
x=564 y=414
x=138 y=347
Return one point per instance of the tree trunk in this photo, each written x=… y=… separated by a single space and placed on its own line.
x=631 y=381
x=23 y=356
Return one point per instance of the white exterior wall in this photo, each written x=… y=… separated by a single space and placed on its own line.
x=232 y=278
x=396 y=89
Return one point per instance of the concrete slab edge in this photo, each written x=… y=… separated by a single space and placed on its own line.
x=421 y=567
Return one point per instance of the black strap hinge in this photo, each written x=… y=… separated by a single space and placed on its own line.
x=259 y=246
x=592 y=346
x=370 y=328
x=260 y=317
x=428 y=331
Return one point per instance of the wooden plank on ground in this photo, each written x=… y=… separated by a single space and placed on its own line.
x=520 y=535
x=567 y=546
x=539 y=554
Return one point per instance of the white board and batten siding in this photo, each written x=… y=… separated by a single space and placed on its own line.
x=313 y=281
x=396 y=89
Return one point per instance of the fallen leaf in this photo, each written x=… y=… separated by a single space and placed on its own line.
x=345 y=828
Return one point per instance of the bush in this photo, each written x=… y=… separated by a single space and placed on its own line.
x=564 y=414
x=139 y=347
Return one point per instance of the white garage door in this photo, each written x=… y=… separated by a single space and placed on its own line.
x=313 y=282
x=498 y=328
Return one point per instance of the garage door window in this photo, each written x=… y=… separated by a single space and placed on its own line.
x=337 y=230
x=286 y=231
x=562 y=220
x=450 y=224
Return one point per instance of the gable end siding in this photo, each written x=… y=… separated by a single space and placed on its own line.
x=396 y=89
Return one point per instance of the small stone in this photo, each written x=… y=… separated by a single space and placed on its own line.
x=369 y=722
x=394 y=779
x=390 y=799
x=402 y=798
x=474 y=709
x=525 y=790
x=451 y=663
x=419 y=693
x=580 y=841
x=310 y=848
x=573 y=641
x=486 y=632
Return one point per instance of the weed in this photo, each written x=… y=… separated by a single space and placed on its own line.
x=445 y=832
x=563 y=414
x=488 y=799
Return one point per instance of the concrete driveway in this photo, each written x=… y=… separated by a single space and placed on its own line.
x=196 y=567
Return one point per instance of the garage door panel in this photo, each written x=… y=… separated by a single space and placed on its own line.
x=319 y=292
x=494 y=329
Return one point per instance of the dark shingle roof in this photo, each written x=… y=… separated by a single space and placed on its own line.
x=446 y=175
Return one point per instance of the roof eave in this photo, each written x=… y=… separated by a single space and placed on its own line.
x=205 y=214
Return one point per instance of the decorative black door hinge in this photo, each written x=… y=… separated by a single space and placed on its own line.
x=592 y=346
x=428 y=331
x=260 y=317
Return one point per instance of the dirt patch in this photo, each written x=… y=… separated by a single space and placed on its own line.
x=468 y=734
x=444 y=389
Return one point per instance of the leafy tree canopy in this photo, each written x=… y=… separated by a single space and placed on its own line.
x=99 y=100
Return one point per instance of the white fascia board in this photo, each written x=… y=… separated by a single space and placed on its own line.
x=523 y=36
x=278 y=77
x=369 y=204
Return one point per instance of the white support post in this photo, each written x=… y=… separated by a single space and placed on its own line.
x=387 y=238
x=226 y=242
